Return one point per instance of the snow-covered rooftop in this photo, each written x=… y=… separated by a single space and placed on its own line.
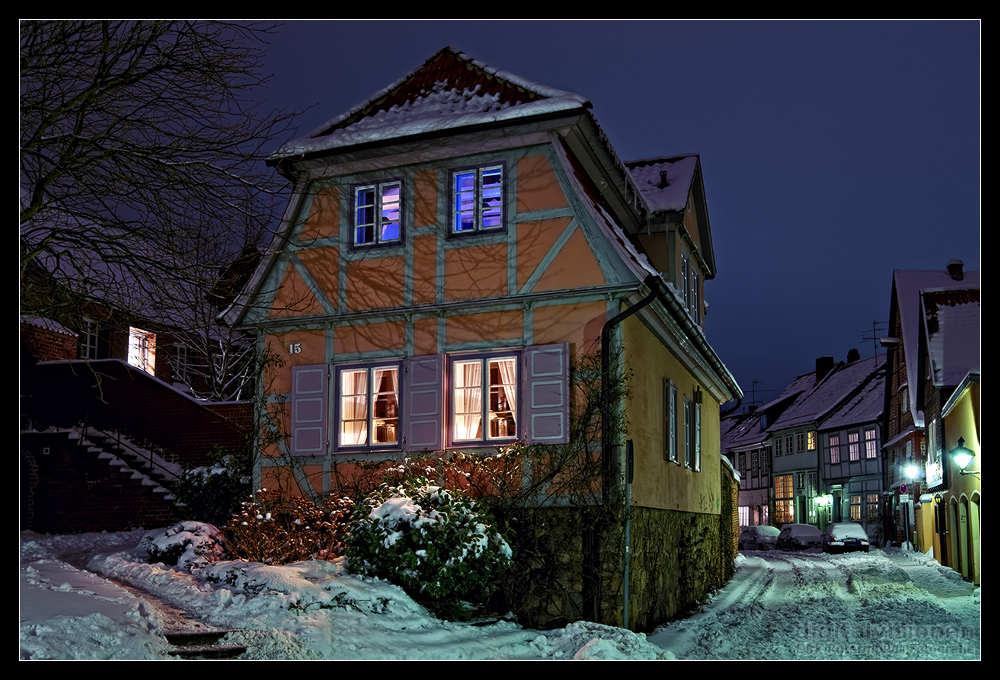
x=953 y=343
x=450 y=90
x=664 y=183
x=822 y=401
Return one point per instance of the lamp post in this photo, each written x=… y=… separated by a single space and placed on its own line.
x=962 y=457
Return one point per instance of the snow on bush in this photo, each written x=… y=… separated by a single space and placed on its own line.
x=429 y=540
x=188 y=545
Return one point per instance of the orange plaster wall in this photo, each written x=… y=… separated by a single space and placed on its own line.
x=537 y=187
x=294 y=297
x=322 y=264
x=425 y=198
x=579 y=324
x=369 y=337
x=280 y=415
x=574 y=267
x=425 y=337
x=424 y=269
x=375 y=282
x=280 y=478
x=311 y=350
x=534 y=241
x=475 y=271
x=503 y=325
x=323 y=220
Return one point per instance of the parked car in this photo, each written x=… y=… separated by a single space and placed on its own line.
x=759 y=538
x=799 y=537
x=842 y=537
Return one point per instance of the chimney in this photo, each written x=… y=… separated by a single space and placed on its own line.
x=955 y=270
x=663 y=180
x=853 y=355
x=823 y=366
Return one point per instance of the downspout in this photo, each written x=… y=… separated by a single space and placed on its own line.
x=655 y=284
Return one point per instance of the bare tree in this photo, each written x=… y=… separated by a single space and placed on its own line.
x=140 y=146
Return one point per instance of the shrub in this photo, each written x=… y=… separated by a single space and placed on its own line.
x=432 y=542
x=213 y=493
x=272 y=529
x=187 y=545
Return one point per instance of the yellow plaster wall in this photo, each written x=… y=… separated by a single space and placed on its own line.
x=660 y=483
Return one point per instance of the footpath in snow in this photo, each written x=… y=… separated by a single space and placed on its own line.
x=881 y=605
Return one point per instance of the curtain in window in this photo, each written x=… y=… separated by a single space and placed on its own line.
x=354 y=408
x=468 y=400
x=385 y=417
x=508 y=390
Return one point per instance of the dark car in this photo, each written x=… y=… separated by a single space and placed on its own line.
x=799 y=537
x=844 y=537
x=759 y=538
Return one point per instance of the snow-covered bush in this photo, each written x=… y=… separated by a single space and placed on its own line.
x=186 y=544
x=274 y=529
x=433 y=542
x=213 y=493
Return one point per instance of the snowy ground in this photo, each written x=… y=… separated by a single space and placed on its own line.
x=883 y=605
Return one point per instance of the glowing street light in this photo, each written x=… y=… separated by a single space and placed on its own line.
x=962 y=457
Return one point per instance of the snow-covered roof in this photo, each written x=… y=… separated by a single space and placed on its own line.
x=951 y=320
x=450 y=90
x=830 y=394
x=741 y=431
x=47 y=324
x=864 y=406
x=664 y=183
x=907 y=286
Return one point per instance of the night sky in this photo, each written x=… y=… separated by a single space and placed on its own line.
x=833 y=152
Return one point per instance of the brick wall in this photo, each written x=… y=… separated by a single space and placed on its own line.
x=66 y=488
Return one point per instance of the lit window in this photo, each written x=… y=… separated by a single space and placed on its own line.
x=854 y=445
x=477 y=200
x=811 y=441
x=377 y=214
x=484 y=390
x=871 y=445
x=856 y=507
x=369 y=406
x=784 y=502
x=142 y=350
x=834 y=454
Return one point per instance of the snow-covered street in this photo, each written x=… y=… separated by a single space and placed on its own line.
x=882 y=605
x=878 y=605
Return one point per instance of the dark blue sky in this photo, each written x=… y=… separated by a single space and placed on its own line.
x=833 y=152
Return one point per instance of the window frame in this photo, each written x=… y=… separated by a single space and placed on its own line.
x=479 y=189
x=485 y=388
x=370 y=396
x=142 y=349
x=377 y=210
x=670 y=420
x=90 y=339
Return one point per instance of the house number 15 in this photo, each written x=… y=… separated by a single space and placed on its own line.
x=295 y=348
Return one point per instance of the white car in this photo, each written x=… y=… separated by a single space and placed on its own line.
x=844 y=536
x=759 y=538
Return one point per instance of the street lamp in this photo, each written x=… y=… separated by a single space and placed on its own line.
x=962 y=457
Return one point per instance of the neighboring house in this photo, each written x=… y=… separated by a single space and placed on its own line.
x=825 y=462
x=112 y=405
x=744 y=444
x=454 y=251
x=905 y=438
x=949 y=394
